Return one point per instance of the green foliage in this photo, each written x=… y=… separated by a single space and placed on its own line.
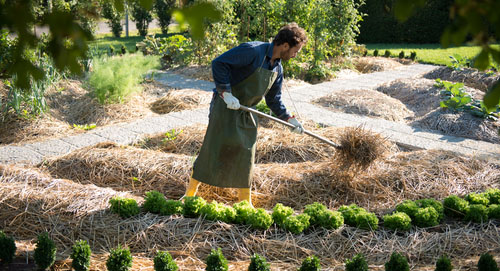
x=260 y=219
x=401 y=55
x=7 y=248
x=397 y=221
x=443 y=264
x=45 y=251
x=175 y=50
x=124 y=207
x=357 y=263
x=350 y=213
x=164 y=10
x=216 y=261
x=80 y=256
x=331 y=219
x=455 y=206
x=475 y=198
x=310 y=263
x=280 y=213
x=426 y=217
x=214 y=211
x=387 y=53
x=493 y=195
x=459 y=62
x=85 y=127
x=119 y=259
x=7 y=47
x=318 y=72
x=173 y=207
x=397 y=262
x=375 y=53
x=262 y=107
x=494 y=211
x=193 y=206
x=437 y=205
x=163 y=261
x=367 y=221
x=296 y=223
x=243 y=211
x=258 y=263
x=477 y=213
x=413 y=55
x=154 y=202
x=408 y=207
x=142 y=16
x=315 y=211
x=115 y=79
x=113 y=16
x=487 y=263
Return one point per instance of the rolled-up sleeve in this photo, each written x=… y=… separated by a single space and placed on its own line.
x=222 y=66
x=274 y=101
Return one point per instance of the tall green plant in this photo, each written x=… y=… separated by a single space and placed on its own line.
x=141 y=16
x=80 y=254
x=119 y=259
x=7 y=248
x=163 y=10
x=45 y=251
x=114 y=17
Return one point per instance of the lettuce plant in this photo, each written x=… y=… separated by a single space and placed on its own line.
x=331 y=219
x=297 y=223
x=397 y=221
x=154 y=202
x=367 y=221
x=475 y=198
x=408 y=207
x=350 y=212
x=437 y=205
x=477 y=213
x=280 y=213
x=493 y=195
x=260 y=219
x=193 y=206
x=426 y=217
x=172 y=207
x=315 y=211
x=243 y=210
x=494 y=211
x=124 y=207
x=455 y=206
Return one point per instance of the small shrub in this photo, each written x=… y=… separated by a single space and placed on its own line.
x=216 y=261
x=401 y=55
x=494 y=211
x=350 y=212
x=367 y=221
x=297 y=223
x=260 y=219
x=310 y=263
x=154 y=202
x=375 y=53
x=7 y=248
x=331 y=220
x=258 y=263
x=475 y=198
x=163 y=261
x=387 y=53
x=397 y=221
x=80 y=256
x=357 y=263
x=477 y=213
x=193 y=206
x=443 y=264
x=45 y=251
x=408 y=207
x=280 y=213
x=426 y=217
x=119 y=259
x=173 y=207
x=413 y=55
x=493 y=195
x=397 y=262
x=315 y=211
x=243 y=210
x=437 y=205
x=455 y=206
x=487 y=263
x=124 y=207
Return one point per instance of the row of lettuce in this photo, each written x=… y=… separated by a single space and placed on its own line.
x=120 y=259
x=474 y=207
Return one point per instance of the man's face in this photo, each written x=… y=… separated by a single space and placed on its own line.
x=291 y=52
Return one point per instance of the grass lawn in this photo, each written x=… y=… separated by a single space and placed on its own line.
x=427 y=53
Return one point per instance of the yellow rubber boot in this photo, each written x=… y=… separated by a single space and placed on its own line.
x=245 y=194
x=192 y=188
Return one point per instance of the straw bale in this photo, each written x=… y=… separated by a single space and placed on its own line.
x=470 y=77
x=200 y=72
x=375 y=64
x=366 y=102
x=461 y=124
x=181 y=99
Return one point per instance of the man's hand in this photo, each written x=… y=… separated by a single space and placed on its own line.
x=231 y=101
x=298 y=127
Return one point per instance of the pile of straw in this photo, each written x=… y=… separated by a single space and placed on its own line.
x=470 y=77
x=182 y=99
x=375 y=64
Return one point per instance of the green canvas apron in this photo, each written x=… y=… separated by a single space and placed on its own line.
x=227 y=155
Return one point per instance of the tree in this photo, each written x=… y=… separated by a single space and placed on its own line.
x=142 y=17
x=164 y=10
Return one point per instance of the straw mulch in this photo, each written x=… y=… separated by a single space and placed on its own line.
x=375 y=64
x=470 y=77
x=196 y=72
x=33 y=202
x=182 y=99
x=367 y=103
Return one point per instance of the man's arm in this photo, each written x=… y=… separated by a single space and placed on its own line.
x=273 y=99
x=238 y=57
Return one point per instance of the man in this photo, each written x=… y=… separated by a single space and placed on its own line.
x=243 y=75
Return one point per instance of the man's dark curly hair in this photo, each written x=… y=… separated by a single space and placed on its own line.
x=292 y=34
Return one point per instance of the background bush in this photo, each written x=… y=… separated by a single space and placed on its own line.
x=141 y=16
x=163 y=10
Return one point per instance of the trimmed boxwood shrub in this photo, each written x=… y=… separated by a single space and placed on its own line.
x=297 y=223
x=216 y=261
x=397 y=221
x=331 y=219
x=163 y=261
x=494 y=211
x=408 y=207
x=193 y=206
x=310 y=263
x=487 y=263
x=475 y=198
x=45 y=251
x=387 y=53
x=375 y=52
x=315 y=211
x=397 y=262
x=7 y=248
x=258 y=263
x=455 y=206
x=119 y=259
x=426 y=217
x=477 y=213
x=260 y=219
x=367 y=221
x=443 y=264
x=154 y=202
x=413 y=55
x=401 y=55
x=243 y=210
x=80 y=255
x=280 y=213
x=173 y=207
x=124 y=207
x=357 y=263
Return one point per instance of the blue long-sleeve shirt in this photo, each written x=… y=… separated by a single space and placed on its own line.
x=237 y=64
